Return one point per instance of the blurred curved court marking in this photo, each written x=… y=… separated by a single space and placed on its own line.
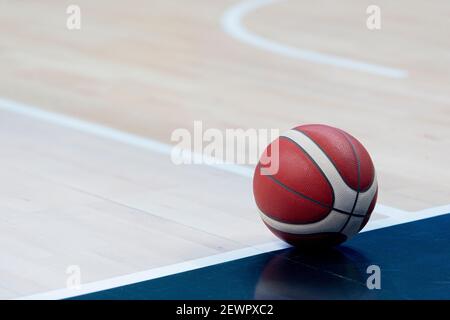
x=233 y=25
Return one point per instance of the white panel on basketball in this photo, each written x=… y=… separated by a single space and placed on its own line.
x=333 y=222
x=362 y=205
x=366 y=197
x=344 y=196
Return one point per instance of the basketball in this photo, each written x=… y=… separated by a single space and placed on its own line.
x=321 y=187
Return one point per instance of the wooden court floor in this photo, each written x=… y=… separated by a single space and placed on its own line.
x=73 y=192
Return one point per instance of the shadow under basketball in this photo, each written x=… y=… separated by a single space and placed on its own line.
x=338 y=273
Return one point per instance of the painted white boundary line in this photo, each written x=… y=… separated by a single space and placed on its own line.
x=113 y=134
x=399 y=216
x=232 y=24
x=396 y=216
x=159 y=272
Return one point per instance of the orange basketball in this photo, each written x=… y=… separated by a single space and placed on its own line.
x=324 y=188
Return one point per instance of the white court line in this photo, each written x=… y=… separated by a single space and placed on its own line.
x=116 y=135
x=396 y=216
x=389 y=211
x=232 y=24
x=159 y=272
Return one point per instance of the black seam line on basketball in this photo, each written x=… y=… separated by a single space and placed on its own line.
x=271 y=216
x=326 y=154
x=346 y=135
x=306 y=197
x=358 y=164
x=316 y=165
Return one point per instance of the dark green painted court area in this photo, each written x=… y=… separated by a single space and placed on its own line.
x=414 y=259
